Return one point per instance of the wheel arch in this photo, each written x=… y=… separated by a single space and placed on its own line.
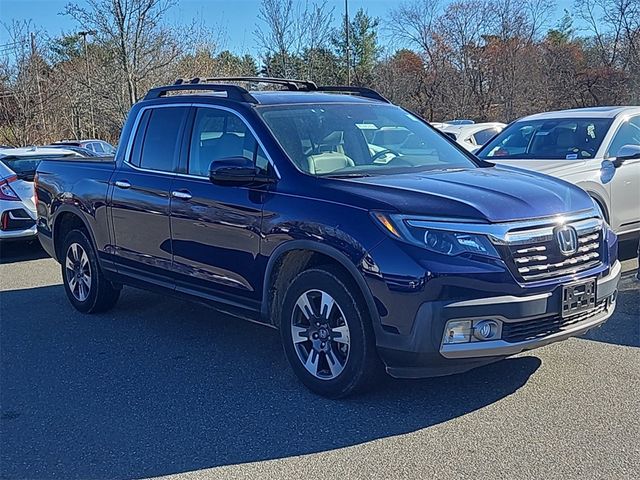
x=295 y=256
x=599 y=199
x=68 y=219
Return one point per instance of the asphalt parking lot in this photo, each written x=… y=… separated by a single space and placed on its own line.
x=160 y=387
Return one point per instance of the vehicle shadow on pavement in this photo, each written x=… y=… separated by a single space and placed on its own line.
x=160 y=386
x=12 y=252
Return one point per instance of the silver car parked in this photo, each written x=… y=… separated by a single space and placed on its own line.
x=596 y=148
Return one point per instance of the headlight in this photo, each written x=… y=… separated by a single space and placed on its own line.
x=434 y=239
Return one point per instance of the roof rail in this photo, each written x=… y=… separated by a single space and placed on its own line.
x=359 y=91
x=290 y=83
x=233 y=92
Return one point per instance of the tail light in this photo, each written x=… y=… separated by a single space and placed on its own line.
x=6 y=192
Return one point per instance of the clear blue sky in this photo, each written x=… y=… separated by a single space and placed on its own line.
x=237 y=17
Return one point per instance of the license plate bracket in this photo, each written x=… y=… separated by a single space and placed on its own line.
x=578 y=297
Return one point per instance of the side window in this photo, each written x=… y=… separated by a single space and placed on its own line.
x=97 y=147
x=134 y=156
x=627 y=134
x=483 y=136
x=262 y=162
x=106 y=148
x=218 y=134
x=161 y=145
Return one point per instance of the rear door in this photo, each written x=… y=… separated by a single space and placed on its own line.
x=141 y=194
x=216 y=229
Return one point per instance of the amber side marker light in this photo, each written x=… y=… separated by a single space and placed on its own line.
x=386 y=223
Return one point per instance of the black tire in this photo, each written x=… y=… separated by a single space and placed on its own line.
x=85 y=285
x=359 y=366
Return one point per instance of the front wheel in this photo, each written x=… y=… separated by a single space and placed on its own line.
x=84 y=283
x=327 y=335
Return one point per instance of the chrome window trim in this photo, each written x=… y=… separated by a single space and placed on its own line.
x=515 y=233
x=136 y=124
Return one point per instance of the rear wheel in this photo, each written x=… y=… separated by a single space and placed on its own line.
x=327 y=335
x=84 y=283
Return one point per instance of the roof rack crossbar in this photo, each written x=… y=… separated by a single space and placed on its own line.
x=359 y=91
x=233 y=92
x=291 y=84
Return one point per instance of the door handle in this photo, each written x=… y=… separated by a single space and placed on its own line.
x=123 y=184
x=181 y=194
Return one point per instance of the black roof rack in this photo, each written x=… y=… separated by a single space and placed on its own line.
x=291 y=84
x=359 y=91
x=235 y=92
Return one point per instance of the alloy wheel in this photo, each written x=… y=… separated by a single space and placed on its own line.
x=320 y=334
x=78 y=272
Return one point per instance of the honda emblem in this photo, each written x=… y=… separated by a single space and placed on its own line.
x=567 y=239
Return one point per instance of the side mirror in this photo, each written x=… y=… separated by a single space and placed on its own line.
x=236 y=171
x=626 y=152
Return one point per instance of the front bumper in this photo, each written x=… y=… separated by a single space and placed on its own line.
x=513 y=310
x=422 y=354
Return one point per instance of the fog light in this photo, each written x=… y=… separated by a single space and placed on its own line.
x=485 y=330
x=457 y=331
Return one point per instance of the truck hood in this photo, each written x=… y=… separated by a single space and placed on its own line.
x=492 y=194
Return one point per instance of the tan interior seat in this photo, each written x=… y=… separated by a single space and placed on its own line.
x=328 y=162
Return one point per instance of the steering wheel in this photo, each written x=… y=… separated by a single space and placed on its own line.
x=381 y=153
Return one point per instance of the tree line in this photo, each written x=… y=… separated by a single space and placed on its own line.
x=479 y=59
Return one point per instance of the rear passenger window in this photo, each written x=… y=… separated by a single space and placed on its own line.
x=483 y=136
x=218 y=134
x=161 y=144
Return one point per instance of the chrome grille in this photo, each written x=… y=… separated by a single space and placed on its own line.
x=536 y=253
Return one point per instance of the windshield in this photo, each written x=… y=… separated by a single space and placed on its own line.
x=359 y=139
x=552 y=139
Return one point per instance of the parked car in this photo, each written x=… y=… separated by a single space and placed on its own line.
x=459 y=121
x=85 y=152
x=17 y=207
x=597 y=149
x=98 y=146
x=283 y=207
x=472 y=136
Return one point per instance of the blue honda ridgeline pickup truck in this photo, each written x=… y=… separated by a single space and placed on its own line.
x=368 y=238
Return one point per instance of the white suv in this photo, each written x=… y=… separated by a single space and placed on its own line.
x=17 y=205
x=596 y=148
x=471 y=136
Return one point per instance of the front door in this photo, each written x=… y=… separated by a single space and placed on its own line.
x=216 y=229
x=140 y=202
x=625 y=185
